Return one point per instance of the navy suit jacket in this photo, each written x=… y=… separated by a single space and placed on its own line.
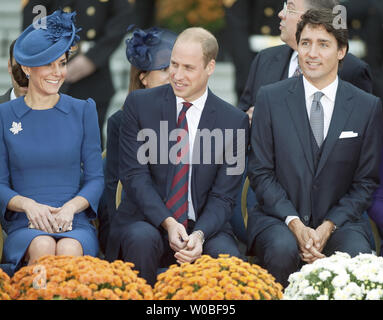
x=281 y=163
x=271 y=65
x=147 y=186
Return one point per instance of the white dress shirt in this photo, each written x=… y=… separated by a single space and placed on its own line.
x=293 y=63
x=193 y=116
x=328 y=103
x=13 y=95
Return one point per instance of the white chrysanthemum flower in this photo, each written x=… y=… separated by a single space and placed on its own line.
x=375 y=294
x=324 y=275
x=340 y=280
x=353 y=290
x=323 y=297
x=309 y=291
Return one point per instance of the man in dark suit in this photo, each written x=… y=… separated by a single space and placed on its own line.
x=103 y=26
x=280 y=62
x=14 y=71
x=315 y=154
x=174 y=212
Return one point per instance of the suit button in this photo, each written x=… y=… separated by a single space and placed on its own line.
x=306 y=218
x=91 y=34
x=265 y=30
x=90 y=11
x=268 y=12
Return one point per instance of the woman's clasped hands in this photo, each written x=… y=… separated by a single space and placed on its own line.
x=49 y=219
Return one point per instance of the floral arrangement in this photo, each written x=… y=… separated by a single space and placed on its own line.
x=226 y=277
x=79 y=278
x=178 y=15
x=6 y=290
x=338 y=277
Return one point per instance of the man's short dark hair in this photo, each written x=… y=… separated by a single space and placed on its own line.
x=321 y=4
x=325 y=18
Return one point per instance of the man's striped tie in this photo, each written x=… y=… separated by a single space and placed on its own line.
x=178 y=198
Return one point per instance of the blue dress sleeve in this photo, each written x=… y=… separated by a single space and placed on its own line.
x=6 y=192
x=93 y=178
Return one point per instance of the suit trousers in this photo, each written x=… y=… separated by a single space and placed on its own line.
x=277 y=249
x=148 y=248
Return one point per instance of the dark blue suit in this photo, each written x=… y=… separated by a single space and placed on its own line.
x=272 y=65
x=136 y=234
x=289 y=180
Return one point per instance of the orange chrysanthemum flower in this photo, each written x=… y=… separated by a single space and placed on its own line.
x=225 y=278
x=6 y=290
x=78 y=278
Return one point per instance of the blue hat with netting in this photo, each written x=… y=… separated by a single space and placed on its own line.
x=150 y=49
x=47 y=40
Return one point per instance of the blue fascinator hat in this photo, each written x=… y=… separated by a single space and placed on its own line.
x=150 y=49
x=42 y=43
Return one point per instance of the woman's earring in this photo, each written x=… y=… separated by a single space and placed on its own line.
x=27 y=75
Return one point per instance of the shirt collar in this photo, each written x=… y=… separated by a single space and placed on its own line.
x=294 y=56
x=198 y=103
x=329 y=91
x=12 y=96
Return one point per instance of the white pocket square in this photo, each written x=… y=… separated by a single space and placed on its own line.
x=348 y=134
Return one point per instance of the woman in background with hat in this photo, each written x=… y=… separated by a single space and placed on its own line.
x=148 y=52
x=47 y=141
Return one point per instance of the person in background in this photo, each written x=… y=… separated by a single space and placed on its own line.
x=281 y=62
x=148 y=52
x=19 y=87
x=103 y=26
x=51 y=176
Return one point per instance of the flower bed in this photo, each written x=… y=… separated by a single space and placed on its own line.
x=79 y=278
x=338 y=277
x=6 y=289
x=227 y=278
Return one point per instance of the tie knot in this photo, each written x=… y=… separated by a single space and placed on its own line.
x=186 y=105
x=317 y=96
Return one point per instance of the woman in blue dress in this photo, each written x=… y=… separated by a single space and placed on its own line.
x=51 y=176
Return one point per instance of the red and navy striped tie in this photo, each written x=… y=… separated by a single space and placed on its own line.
x=178 y=198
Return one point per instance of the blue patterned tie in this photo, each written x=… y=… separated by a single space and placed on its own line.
x=298 y=71
x=317 y=118
x=178 y=198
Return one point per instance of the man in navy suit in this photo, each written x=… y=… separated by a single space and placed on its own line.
x=314 y=160
x=280 y=62
x=151 y=229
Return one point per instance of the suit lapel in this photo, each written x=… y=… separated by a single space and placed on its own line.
x=281 y=63
x=341 y=113
x=207 y=121
x=296 y=104
x=169 y=114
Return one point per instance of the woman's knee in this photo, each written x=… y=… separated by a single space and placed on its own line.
x=40 y=246
x=69 y=247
